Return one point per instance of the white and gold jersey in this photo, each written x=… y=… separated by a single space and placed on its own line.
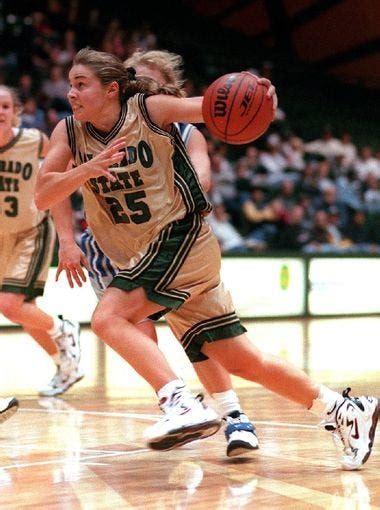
x=19 y=165
x=155 y=184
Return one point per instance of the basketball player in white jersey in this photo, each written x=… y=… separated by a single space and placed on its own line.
x=146 y=210
x=166 y=69
x=26 y=246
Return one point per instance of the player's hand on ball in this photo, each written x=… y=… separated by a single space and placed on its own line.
x=271 y=93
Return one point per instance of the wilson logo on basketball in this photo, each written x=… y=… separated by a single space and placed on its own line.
x=247 y=100
x=220 y=104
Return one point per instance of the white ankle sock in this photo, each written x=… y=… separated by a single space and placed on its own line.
x=56 y=358
x=167 y=390
x=325 y=401
x=227 y=402
x=55 y=331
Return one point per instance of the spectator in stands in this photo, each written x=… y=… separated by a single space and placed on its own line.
x=273 y=160
x=324 y=174
x=243 y=176
x=230 y=240
x=348 y=150
x=371 y=194
x=55 y=88
x=63 y=52
x=348 y=190
x=293 y=233
x=26 y=87
x=288 y=193
x=262 y=218
x=360 y=234
x=320 y=239
x=366 y=164
x=328 y=202
x=293 y=151
x=32 y=116
x=327 y=146
x=333 y=226
x=51 y=119
x=224 y=180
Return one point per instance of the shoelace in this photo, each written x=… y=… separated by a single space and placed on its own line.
x=182 y=397
x=341 y=433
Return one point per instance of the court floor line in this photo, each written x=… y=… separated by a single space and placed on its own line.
x=153 y=417
x=81 y=461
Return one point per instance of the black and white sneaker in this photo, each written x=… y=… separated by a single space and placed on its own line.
x=69 y=370
x=240 y=434
x=185 y=419
x=62 y=380
x=353 y=425
x=8 y=407
x=68 y=342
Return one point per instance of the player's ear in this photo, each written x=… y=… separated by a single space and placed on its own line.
x=113 y=89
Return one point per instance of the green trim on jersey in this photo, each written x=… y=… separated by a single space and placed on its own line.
x=185 y=176
x=210 y=330
x=14 y=140
x=186 y=181
x=158 y=268
x=69 y=122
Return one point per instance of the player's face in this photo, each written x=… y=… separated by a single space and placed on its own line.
x=6 y=110
x=150 y=72
x=87 y=95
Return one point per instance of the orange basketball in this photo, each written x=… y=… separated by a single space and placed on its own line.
x=236 y=109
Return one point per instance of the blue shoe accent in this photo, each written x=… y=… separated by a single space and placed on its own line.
x=240 y=435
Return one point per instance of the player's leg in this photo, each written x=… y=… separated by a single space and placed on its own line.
x=191 y=320
x=102 y=271
x=239 y=432
x=24 y=279
x=185 y=418
x=352 y=420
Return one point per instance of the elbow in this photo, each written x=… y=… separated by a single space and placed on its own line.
x=40 y=201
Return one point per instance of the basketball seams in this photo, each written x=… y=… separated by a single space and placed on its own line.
x=232 y=105
x=214 y=95
x=256 y=113
x=242 y=128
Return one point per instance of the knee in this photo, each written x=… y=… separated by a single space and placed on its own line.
x=10 y=307
x=99 y=323
x=251 y=367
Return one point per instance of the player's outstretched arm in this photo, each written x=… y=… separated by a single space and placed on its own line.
x=55 y=182
x=164 y=110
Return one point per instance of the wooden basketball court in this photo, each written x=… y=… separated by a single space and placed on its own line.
x=85 y=450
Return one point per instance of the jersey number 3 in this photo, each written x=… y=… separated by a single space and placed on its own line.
x=11 y=206
x=140 y=210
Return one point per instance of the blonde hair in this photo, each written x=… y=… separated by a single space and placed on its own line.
x=109 y=68
x=170 y=65
x=17 y=106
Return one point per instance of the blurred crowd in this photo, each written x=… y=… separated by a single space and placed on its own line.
x=279 y=193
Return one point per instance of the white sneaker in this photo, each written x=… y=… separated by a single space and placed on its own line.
x=240 y=434
x=354 y=426
x=8 y=407
x=68 y=342
x=61 y=381
x=68 y=370
x=185 y=419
